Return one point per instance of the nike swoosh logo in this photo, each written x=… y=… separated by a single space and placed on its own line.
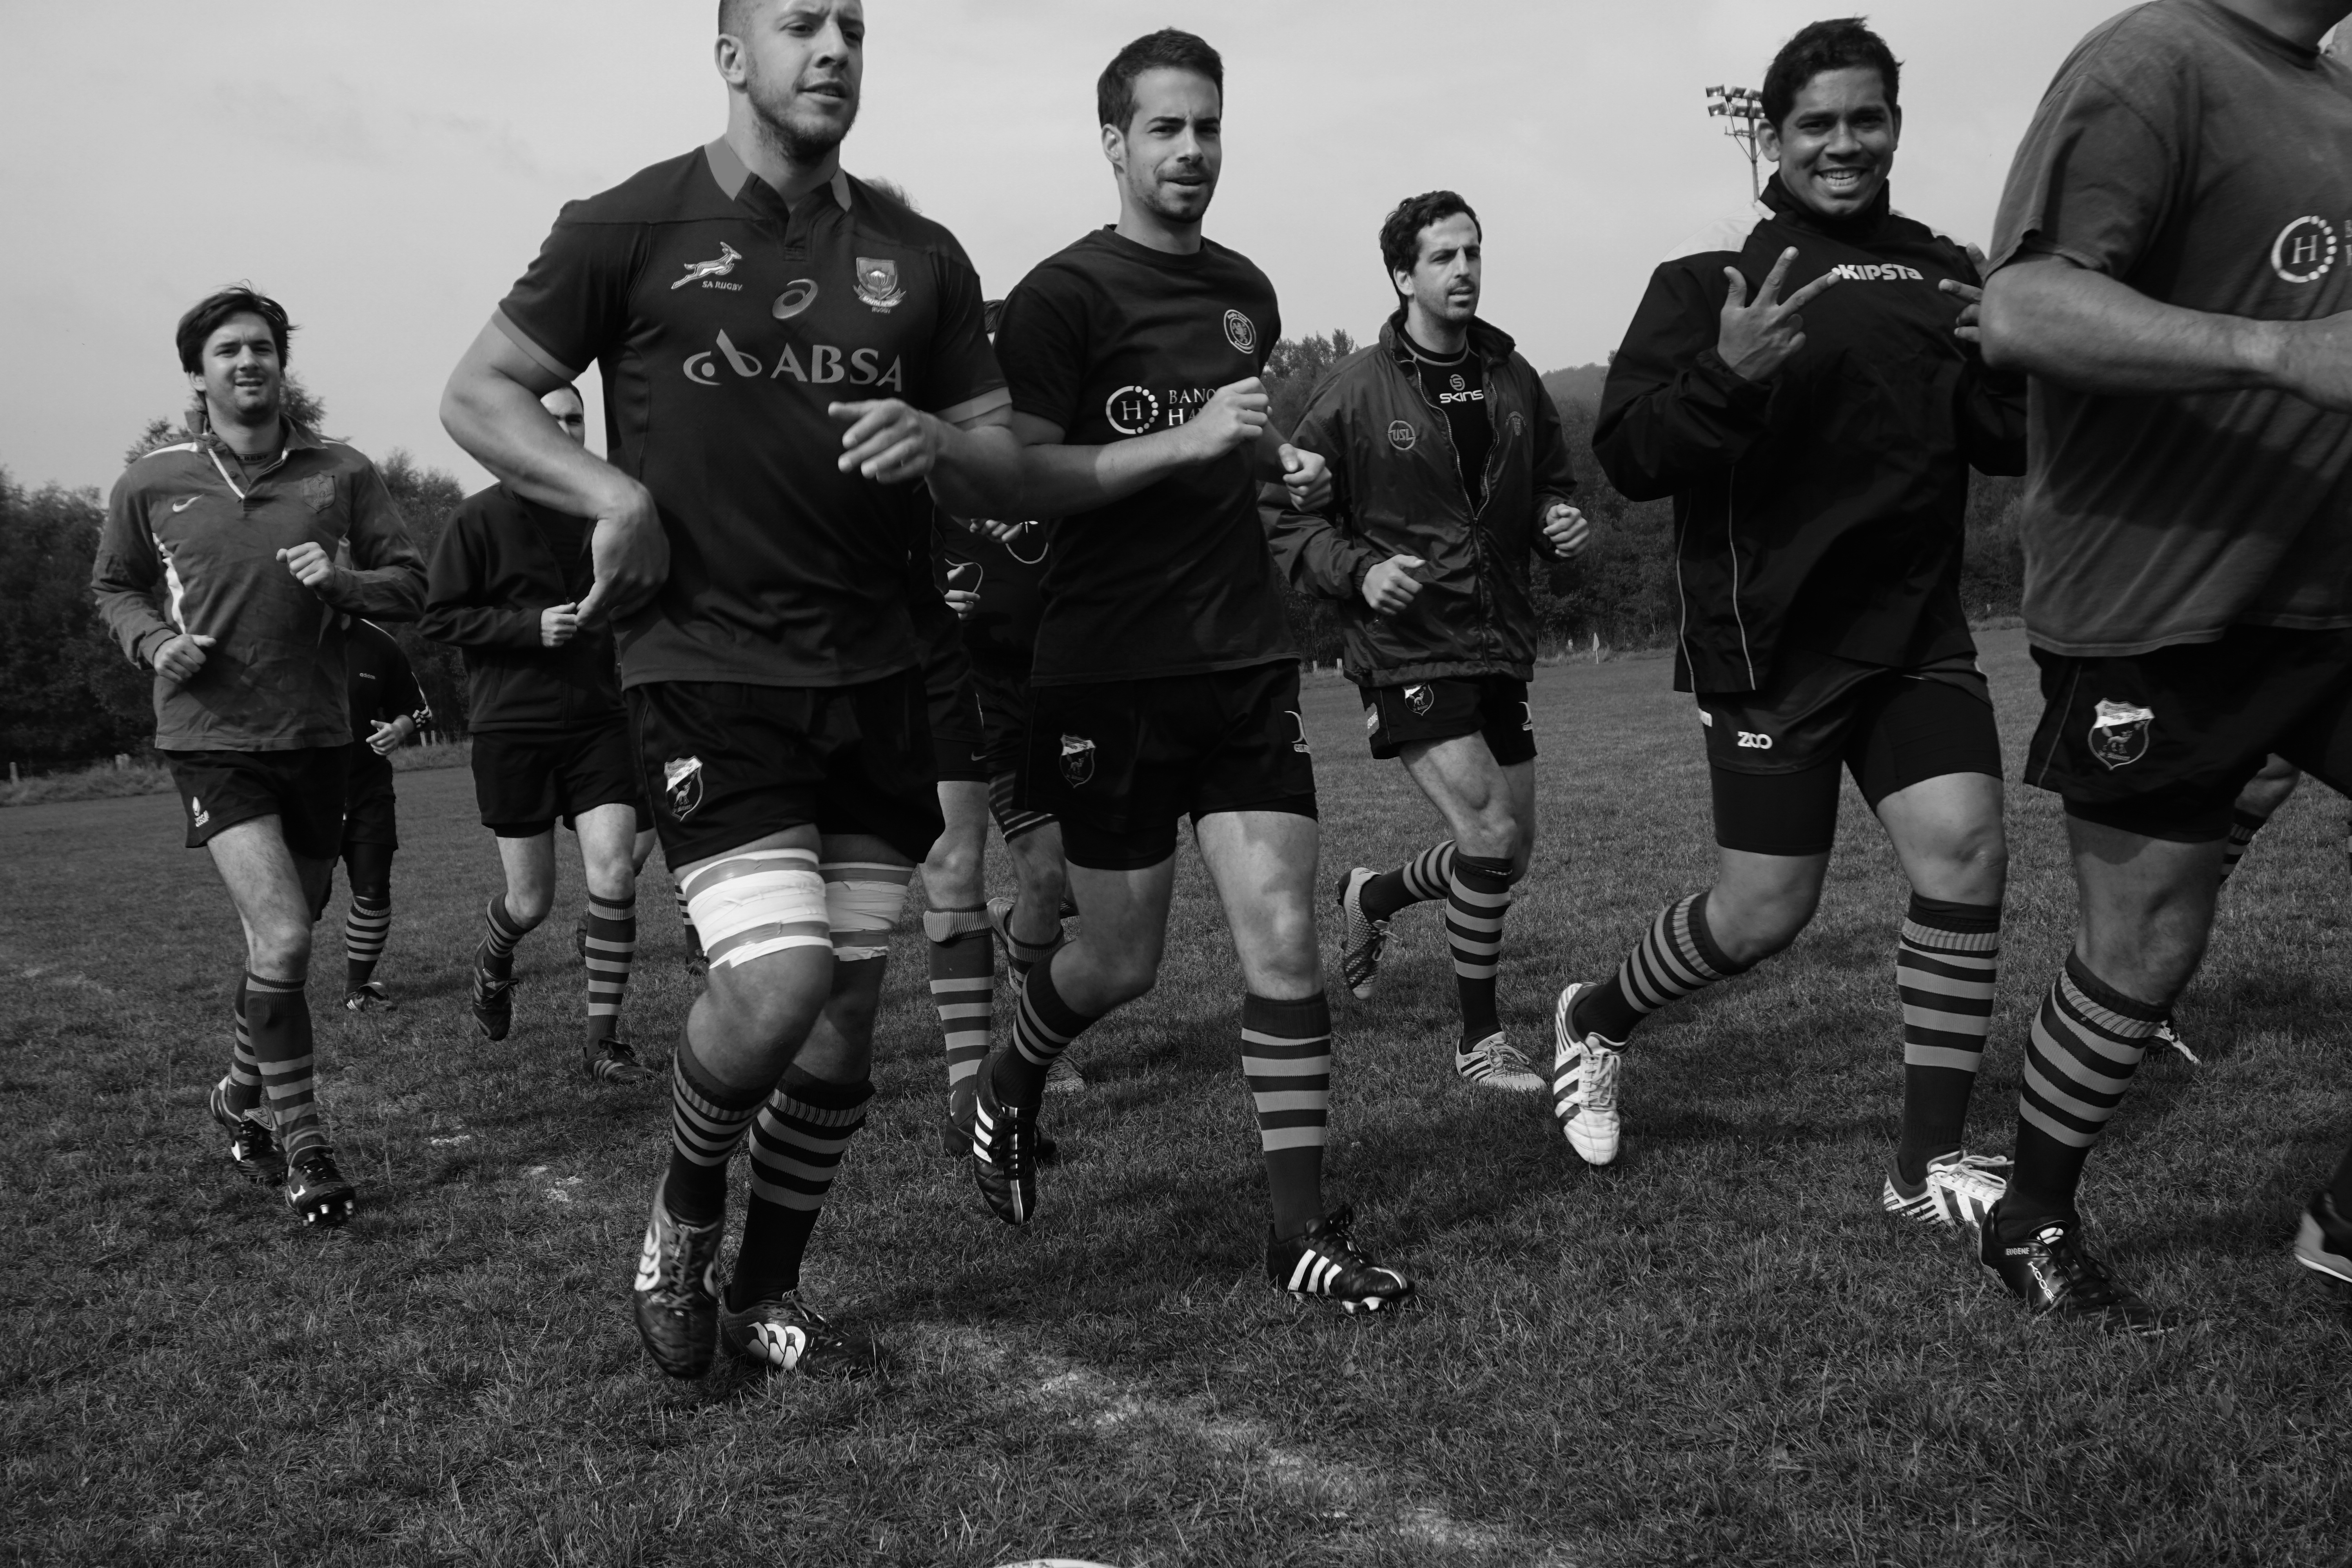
x=183 y=505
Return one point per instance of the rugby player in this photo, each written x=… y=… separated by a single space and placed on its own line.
x=1164 y=683
x=1804 y=382
x=385 y=704
x=217 y=568
x=551 y=744
x=1449 y=470
x=2169 y=267
x=782 y=350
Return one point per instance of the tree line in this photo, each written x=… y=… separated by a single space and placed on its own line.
x=69 y=697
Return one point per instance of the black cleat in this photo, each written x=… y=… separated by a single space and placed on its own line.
x=675 y=1299
x=2051 y=1273
x=784 y=1333
x=252 y=1146
x=316 y=1190
x=492 y=1001
x=371 y=998
x=1322 y=1264
x=613 y=1060
x=1003 y=1155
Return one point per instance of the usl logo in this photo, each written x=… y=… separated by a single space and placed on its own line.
x=1401 y=436
x=826 y=365
x=878 y=282
x=2305 y=250
x=682 y=786
x=1241 y=332
x=2119 y=733
x=1131 y=410
x=698 y=270
x=1885 y=273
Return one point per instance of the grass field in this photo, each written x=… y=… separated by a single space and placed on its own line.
x=1716 y=1352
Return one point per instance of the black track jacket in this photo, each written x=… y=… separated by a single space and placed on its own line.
x=502 y=562
x=1395 y=490
x=1822 y=508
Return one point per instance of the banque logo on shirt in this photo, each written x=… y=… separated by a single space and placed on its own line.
x=2306 y=249
x=1138 y=410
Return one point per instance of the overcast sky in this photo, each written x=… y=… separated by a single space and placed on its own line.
x=385 y=171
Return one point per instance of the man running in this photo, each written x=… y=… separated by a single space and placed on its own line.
x=1165 y=681
x=385 y=704
x=782 y=350
x=1804 y=384
x=1449 y=470
x=2171 y=267
x=551 y=744
x=217 y=568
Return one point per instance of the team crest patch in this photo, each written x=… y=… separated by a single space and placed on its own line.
x=2119 y=733
x=319 y=490
x=682 y=786
x=1077 y=760
x=1519 y=424
x=1420 y=699
x=1299 y=744
x=1401 y=436
x=878 y=282
x=1241 y=332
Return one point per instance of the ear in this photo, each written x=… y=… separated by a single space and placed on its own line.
x=1114 y=145
x=727 y=54
x=1768 y=141
x=1400 y=279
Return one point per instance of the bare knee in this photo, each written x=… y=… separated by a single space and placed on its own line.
x=527 y=907
x=1755 y=924
x=613 y=879
x=280 y=949
x=951 y=871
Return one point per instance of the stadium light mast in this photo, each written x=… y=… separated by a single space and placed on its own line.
x=1743 y=109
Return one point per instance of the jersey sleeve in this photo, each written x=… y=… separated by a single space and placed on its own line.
x=572 y=306
x=1042 y=342
x=2092 y=181
x=125 y=574
x=964 y=380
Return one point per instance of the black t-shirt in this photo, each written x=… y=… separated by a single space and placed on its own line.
x=725 y=324
x=1110 y=340
x=1001 y=633
x=1457 y=387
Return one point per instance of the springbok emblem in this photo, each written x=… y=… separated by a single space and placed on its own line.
x=728 y=257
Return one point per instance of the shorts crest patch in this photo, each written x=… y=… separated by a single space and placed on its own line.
x=1077 y=760
x=2119 y=733
x=682 y=786
x=1420 y=699
x=1402 y=435
x=1241 y=332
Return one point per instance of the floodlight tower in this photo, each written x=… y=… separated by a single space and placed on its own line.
x=1743 y=109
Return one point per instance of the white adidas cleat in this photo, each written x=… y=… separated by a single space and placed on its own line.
x=1958 y=1192
x=1495 y=1063
x=1584 y=1084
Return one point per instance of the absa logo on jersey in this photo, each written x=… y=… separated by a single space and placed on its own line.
x=1241 y=332
x=826 y=365
x=2305 y=250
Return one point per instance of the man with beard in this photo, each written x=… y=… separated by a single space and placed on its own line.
x=217 y=569
x=780 y=350
x=1164 y=683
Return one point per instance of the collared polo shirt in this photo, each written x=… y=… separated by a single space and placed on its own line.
x=724 y=323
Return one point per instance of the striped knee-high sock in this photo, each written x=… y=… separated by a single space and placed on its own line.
x=1675 y=957
x=1043 y=1028
x=1419 y=880
x=611 y=953
x=963 y=989
x=1477 y=897
x=1286 y=1059
x=2243 y=826
x=796 y=1148
x=279 y=1015
x=1944 y=966
x=367 y=926
x=245 y=1092
x=2087 y=1041
x=707 y=1120
x=685 y=918
x=504 y=934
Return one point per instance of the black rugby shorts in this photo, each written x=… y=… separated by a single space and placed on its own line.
x=302 y=788
x=1495 y=706
x=525 y=783
x=1775 y=754
x=959 y=737
x=727 y=764
x=1004 y=714
x=369 y=812
x=1119 y=762
x=2160 y=743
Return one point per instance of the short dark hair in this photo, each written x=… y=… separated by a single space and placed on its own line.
x=1845 y=44
x=1170 y=48
x=204 y=318
x=731 y=18
x=1400 y=230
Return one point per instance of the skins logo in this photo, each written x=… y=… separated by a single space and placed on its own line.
x=1131 y=410
x=698 y=270
x=2119 y=733
x=682 y=786
x=1299 y=745
x=877 y=283
x=1077 y=760
x=2305 y=250
x=1241 y=332
x=798 y=296
x=1420 y=699
x=1401 y=436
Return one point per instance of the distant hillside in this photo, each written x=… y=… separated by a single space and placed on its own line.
x=1579 y=386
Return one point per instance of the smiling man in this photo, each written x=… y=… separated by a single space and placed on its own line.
x=782 y=350
x=1449 y=471
x=1164 y=683
x=217 y=568
x=1804 y=384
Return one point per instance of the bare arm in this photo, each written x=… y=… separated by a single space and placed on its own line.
x=973 y=464
x=2087 y=331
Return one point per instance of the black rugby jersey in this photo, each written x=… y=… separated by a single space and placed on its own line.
x=724 y=324
x=1108 y=340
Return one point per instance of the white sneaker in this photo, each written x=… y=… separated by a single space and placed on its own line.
x=1584 y=1084
x=1361 y=938
x=1493 y=1063
x=1958 y=1194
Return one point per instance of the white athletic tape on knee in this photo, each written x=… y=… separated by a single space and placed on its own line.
x=946 y=925
x=749 y=906
x=864 y=898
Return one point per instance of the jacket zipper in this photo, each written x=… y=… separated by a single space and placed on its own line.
x=1477 y=510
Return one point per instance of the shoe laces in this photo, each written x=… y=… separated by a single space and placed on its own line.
x=318 y=1166
x=1973 y=1169
x=1599 y=1075
x=1503 y=1056
x=2085 y=1278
